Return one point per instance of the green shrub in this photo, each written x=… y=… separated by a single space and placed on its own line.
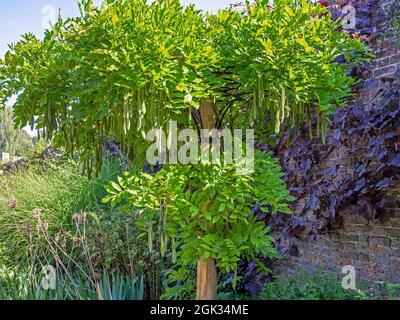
x=205 y=210
x=307 y=286
x=95 y=192
x=386 y=290
x=179 y=284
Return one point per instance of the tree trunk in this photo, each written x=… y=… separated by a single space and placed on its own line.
x=206 y=268
x=206 y=279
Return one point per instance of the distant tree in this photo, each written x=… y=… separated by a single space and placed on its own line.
x=12 y=140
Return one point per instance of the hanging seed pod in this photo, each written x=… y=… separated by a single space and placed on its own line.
x=163 y=246
x=166 y=239
x=283 y=104
x=174 y=256
x=324 y=128
x=125 y=118
x=309 y=121
x=253 y=109
x=143 y=112
x=234 y=280
x=260 y=87
x=152 y=106
x=150 y=238
x=278 y=118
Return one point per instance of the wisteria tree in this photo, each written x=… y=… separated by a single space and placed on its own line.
x=121 y=69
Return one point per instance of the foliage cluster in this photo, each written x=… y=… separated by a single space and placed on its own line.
x=129 y=66
x=206 y=210
x=310 y=286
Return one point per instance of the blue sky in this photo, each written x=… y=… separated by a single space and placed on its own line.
x=21 y=16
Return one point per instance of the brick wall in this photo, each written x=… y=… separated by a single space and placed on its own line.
x=386 y=46
x=372 y=247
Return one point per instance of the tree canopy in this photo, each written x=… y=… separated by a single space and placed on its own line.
x=127 y=66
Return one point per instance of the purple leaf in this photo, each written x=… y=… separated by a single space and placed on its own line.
x=313 y=202
x=395 y=162
x=359 y=185
x=391 y=135
x=361 y=170
x=383 y=184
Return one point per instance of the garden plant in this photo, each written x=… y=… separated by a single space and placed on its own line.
x=122 y=69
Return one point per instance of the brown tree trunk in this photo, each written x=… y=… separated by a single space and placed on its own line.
x=206 y=279
x=206 y=268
